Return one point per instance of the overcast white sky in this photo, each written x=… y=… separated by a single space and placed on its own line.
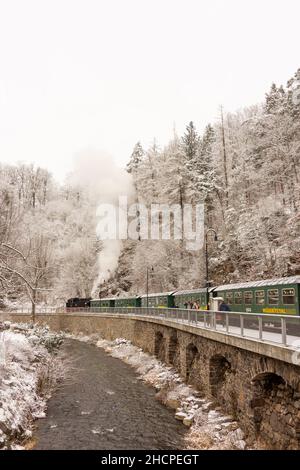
x=106 y=73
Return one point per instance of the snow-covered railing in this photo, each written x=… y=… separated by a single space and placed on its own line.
x=273 y=328
x=283 y=329
x=38 y=311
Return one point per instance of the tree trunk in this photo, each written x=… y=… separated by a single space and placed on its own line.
x=33 y=306
x=224 y=159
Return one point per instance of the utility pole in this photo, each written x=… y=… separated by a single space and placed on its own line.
x=147 y=286
x=147 y=289
x=209 y=230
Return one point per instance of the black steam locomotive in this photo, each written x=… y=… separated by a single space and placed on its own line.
x=78 y=302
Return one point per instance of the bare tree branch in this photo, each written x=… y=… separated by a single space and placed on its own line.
x=17 y=273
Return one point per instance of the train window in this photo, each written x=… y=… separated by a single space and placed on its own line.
x=238 y=298
x=229 y=297
x=248 y=297
x=288 y=296
x=259 y=297
x=273 y=296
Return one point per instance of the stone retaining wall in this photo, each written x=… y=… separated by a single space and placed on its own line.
x=261 y=392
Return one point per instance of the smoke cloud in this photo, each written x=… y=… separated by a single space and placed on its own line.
x=97 y=172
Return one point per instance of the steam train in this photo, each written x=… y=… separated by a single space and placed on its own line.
x=273 y=296
x=76 y=302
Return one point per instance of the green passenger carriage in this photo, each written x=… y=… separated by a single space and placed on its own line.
x=196 y=297
x=106 y=302
x=128 y=301
x=117 y=302
x=160 y=300
x=273 y=296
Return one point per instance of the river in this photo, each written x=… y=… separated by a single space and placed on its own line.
x=102 y=404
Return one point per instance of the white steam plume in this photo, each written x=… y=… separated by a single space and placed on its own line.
x=97 y=172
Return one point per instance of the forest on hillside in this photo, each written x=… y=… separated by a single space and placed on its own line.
x=48 y=245
x=244 y=168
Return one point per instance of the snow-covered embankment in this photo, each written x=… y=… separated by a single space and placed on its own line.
x=29 y=370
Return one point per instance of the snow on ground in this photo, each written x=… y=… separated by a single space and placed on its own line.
x=209 y=428
x=29 y=369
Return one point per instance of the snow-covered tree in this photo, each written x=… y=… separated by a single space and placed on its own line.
x=135 y=158
x=190 y=141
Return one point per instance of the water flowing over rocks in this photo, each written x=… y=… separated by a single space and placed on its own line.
x=208 y=427
x=102 y=404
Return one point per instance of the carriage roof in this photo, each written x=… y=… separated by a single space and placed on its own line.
x=103 y=298
x=263 y=283
x=159 y=294
x=190 y=291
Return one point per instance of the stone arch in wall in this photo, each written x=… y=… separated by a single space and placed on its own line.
x=174 y=350
x=160 y=346
x=192 y=372
x=274 y=411
x=219 y=367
